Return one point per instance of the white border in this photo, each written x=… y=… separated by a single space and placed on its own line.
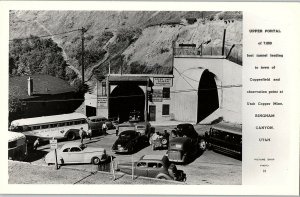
x=291 y=187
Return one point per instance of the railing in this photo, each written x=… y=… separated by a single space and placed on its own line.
x=234 y=56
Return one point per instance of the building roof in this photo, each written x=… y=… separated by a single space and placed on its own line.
x=128 y=78
x=42 y=85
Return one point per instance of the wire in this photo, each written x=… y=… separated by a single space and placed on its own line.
x=184 y=78
x=50 y=35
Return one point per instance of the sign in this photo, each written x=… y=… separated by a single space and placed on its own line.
x=163 y=81
x=53 y=144
x=157 y=95
x=102 y=101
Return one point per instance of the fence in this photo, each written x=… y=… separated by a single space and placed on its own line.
x=234 y=56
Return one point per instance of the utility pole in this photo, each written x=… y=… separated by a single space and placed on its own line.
x=83 y=30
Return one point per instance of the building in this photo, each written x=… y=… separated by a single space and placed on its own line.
x=118 y=95
x=43 y=95
x=202 y=89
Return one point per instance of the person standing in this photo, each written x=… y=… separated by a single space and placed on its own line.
x=36 y=143
x=81 y=134
x=104 y=128
x=89 y=133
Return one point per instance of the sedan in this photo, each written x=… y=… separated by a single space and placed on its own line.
x=129 y=141
x=76 y=152
x=154 y=166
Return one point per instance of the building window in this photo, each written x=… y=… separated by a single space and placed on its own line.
x=166 y=93
x=165 y=109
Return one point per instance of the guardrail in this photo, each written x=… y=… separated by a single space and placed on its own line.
x=235 y=55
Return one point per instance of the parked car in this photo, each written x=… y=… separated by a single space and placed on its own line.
x=95 y=124
x=154 y=166
x=143 y=127
x=225 y=138
x=130 y=141
x=76 y=152
x=186 y=144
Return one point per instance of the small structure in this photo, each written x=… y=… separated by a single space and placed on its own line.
x=42 y=95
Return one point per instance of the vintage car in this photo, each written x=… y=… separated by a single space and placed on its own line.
x=225 y=138
x=130 y=141
x=186 y=144
x=76 y=152
x=143 y=127
x=154 y=166
x=95 y=124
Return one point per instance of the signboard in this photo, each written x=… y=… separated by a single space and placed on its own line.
x=53 y=144
x=102 y=101
x=157 y=95
x=163 y=81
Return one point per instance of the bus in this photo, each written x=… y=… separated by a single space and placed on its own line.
x=64 y=126
x=225 y=138
x=17 y=146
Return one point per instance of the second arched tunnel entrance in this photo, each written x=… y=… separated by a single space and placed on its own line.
x=208 y=100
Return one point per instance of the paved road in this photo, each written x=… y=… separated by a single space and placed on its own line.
x=209 y=168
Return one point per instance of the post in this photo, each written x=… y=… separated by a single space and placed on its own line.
x=112 y=167
x=83 y=30
x=56 y=164
x=132 y=166
x=223 y=46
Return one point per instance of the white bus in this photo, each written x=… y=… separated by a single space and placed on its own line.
x=17 y=146
x=48 y=127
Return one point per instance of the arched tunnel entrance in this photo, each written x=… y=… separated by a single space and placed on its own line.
x=208 y=100
x=125 y=98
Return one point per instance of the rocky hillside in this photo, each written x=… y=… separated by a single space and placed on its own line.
x=134 y=42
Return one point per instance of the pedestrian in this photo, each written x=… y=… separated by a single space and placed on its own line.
x=104 y=128
x=89 y=133
x=81 y=134
x=36 y=143
x=166 y=134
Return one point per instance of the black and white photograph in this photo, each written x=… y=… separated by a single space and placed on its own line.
x=125 y=97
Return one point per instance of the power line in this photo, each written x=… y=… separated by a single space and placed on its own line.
x=44 y=36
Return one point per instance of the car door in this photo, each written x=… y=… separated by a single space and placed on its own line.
x=64 y=154
x=154 y=169
x=75 y=155
x=141 y=169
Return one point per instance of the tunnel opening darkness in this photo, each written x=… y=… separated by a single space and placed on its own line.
x=124 y=99
x=208 y=100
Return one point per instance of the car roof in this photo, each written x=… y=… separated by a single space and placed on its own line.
x=153 y=157
x=128 y=132
x=228 y=127
x=71 y=144
x=97 y=117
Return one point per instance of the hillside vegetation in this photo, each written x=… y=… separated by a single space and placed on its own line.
x=130 y=42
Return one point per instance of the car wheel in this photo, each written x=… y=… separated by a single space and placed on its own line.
x=95 y=160
x=202 y=145
x=71 y=136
